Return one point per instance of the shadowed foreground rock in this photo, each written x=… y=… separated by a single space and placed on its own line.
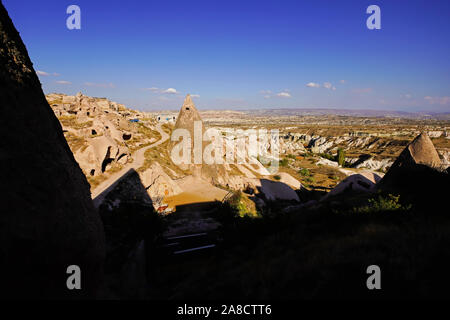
x=47 y=219
x=417 y=175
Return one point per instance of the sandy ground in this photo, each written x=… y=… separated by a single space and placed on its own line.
x=195 y=190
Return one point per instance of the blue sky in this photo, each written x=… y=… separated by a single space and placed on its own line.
x=243 y=54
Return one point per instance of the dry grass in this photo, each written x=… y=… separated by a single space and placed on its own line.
x=52 y=102
x=441 y=142
x=161 y=154
x=75 y=142
x=317 y=176
x=136 y=143
x=71 y=121
x=95 y=181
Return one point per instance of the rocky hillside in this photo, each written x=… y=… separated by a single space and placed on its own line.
x=167 y=185
x=101 y=134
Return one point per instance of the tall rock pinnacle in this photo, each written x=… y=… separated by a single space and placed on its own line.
x=188 y=117
x=188 y=114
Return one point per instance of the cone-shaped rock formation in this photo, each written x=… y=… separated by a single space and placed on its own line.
x=420 y=151
x=187 y=118
x=416 y=174
x=188 y=115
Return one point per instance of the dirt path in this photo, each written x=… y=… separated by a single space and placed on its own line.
x=99 y=193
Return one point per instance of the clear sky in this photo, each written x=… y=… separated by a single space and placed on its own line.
x=243 y=54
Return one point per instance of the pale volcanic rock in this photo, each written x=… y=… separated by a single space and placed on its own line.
x=187 y=117
x=274 y=190
x=68 y=99
x=373 y=164
x=247 y=173
x=417 y=161
x=445 y=156
x=158 y=183
x=289 y=180
x=359 y=182
x=323 y=161
x=99 y=154
x=435 y=134
x=420 y=151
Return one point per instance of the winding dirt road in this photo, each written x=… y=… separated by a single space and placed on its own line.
x=99 y=193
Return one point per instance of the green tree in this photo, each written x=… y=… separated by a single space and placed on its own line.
x=341 y=157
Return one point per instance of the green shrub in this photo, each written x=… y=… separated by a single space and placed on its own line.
x=304 y=172
x=241 y=206
x=383 y=204
x=309 y=179
x=328 y=156
x=284 y=162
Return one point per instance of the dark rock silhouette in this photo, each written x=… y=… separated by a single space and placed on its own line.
x=47 y=219
x=417 y=175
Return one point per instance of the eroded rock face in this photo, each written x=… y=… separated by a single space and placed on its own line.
x=420 y=151
x=100 y=153
x=187 y=119
x=47 y=219
x=158 y=183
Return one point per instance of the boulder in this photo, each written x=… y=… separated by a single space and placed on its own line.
x=360 y=182
x=274 y=190
x=158 y=183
